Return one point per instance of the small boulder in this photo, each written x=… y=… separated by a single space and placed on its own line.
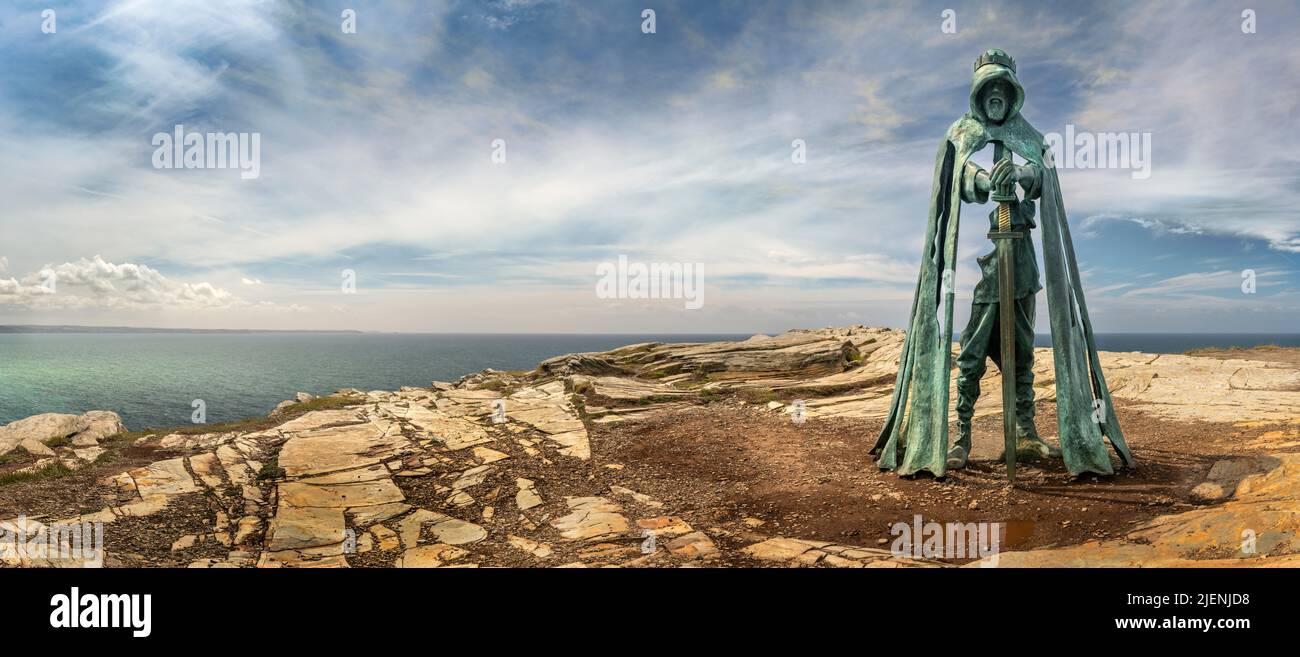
x=84 y=430
x=99 y=425
x=41 y=428
x=36 y=447
x=1208 y=492
x=280 y=407
x=88 y=454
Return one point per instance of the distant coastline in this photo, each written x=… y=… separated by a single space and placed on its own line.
x=152 y=377
x=1153 y=341
x=71 y=328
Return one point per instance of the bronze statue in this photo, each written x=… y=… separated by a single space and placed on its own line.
x=1001 y=327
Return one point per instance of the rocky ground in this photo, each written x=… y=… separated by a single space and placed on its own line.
x=660 y=455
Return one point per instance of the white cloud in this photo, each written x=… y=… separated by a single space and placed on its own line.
x=97 y=283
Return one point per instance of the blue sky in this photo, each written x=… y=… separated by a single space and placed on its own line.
x=666 y=147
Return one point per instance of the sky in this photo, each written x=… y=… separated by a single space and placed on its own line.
x=380 y=160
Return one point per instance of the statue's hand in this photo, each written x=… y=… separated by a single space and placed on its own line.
x=983 y=182
x=1003 y=171
x=1003 y=180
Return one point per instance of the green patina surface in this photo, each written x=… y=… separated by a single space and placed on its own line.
x=915 y=435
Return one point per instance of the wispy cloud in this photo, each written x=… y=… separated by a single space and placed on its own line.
x=673 y=146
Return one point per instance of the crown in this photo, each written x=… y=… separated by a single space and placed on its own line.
x=995 y=56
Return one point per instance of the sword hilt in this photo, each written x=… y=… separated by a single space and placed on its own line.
x=1001 y=152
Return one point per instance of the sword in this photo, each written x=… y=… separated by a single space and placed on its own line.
x=1003 y=238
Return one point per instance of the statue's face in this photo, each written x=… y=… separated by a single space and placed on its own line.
x=996 y=101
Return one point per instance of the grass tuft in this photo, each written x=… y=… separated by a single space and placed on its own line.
x=61 y=441
x=51 y=471
x=270 y=470
x=758 y=395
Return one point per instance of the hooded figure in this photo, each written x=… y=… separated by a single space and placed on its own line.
x=915 y=435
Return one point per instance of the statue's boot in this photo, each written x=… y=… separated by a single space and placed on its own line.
x=1030 y=446
x=961 y=451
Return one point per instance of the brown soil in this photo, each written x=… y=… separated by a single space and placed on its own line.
x=146 y=541
x=724 y=462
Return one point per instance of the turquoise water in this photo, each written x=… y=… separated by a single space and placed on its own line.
x=151 y=379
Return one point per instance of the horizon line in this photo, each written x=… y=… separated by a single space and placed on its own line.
x=73 y=328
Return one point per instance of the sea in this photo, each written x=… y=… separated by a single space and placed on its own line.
x=156 y=379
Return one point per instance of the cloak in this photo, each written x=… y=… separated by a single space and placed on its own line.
x=915 y=435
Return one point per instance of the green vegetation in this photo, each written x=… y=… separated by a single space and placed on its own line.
x=657 y=399
x=1204 y=351
x=499 y=386
x=270 y=470
x=61 y=441
x=580 y=405
x=51 y=471
x=672 y=369
x=758 y=395
x=325 y=403
x=633 y=349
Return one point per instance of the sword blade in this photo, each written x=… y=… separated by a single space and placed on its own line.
x=1007 y=328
